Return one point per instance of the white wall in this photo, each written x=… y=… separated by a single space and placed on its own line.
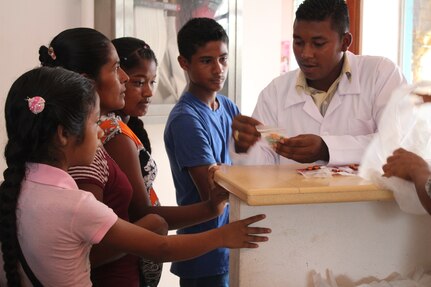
x=262 y=35
x=25 y=25
x=381 y=28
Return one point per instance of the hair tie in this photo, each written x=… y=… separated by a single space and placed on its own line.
x=36 y=104
x=51 y=53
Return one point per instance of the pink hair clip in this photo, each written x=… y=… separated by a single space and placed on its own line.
x=36 y=104
x=51 y=53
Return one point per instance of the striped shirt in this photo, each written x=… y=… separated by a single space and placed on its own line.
x=97 y=172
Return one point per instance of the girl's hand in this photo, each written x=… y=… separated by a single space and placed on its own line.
x=239 y=234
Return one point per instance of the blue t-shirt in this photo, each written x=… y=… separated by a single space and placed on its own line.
x=195 y=135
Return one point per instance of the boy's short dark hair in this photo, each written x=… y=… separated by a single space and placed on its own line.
x=196 y=33
x=320 y=10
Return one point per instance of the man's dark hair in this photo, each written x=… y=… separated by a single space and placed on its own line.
x=320 y=10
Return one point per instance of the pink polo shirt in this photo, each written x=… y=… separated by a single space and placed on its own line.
x=58 y=224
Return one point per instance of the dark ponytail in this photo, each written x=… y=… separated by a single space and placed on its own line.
x=131 y=51
x=82 y=50
x=69 y=97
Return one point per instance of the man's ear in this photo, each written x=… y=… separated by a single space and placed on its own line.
x=184 y=64
x=346 y=41
x=62 y=136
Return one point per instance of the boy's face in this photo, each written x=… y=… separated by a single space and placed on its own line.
x=318 y=50
x=208 y=67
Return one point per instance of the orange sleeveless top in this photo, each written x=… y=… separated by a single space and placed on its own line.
x=113 y=125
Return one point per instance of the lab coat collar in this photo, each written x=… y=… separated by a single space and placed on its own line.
x=345 y=87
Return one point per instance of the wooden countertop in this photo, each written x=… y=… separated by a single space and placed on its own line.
x=281 y=184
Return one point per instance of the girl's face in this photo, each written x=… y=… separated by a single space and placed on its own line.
x=111 y=84
x=140 y=88
x=84 y=151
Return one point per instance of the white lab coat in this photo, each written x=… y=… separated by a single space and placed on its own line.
x=351 y=118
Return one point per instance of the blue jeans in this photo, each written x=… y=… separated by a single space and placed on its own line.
x=221 y=280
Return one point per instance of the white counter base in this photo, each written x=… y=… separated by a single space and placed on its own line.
x=356 y=240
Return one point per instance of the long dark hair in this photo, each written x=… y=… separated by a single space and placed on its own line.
x=69 y=97
x=82 y=50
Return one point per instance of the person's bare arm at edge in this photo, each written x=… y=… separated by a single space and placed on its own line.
x=244 y=133
x=410 y=166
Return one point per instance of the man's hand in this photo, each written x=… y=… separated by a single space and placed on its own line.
x=244 y=133
x=303 y=148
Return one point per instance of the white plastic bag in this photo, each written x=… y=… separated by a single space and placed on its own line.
x=405 y=123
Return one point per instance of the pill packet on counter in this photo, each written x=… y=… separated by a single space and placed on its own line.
x=315 y=171
x=271 y=134
x=351 y=169
x=327 y=171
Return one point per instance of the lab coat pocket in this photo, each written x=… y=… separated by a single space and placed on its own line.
x=361 y=126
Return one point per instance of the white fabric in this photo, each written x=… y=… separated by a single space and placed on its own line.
x=351 y=118
x=406 y=123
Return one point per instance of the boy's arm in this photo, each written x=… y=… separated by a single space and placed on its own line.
x=199 y=175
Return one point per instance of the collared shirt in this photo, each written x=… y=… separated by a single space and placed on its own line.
x=349 y=123
x=322 y=98
x=58 y=224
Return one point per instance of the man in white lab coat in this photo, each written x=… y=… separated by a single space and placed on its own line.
x=329 y=108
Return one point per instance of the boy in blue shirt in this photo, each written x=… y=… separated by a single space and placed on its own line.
x=197 y=135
